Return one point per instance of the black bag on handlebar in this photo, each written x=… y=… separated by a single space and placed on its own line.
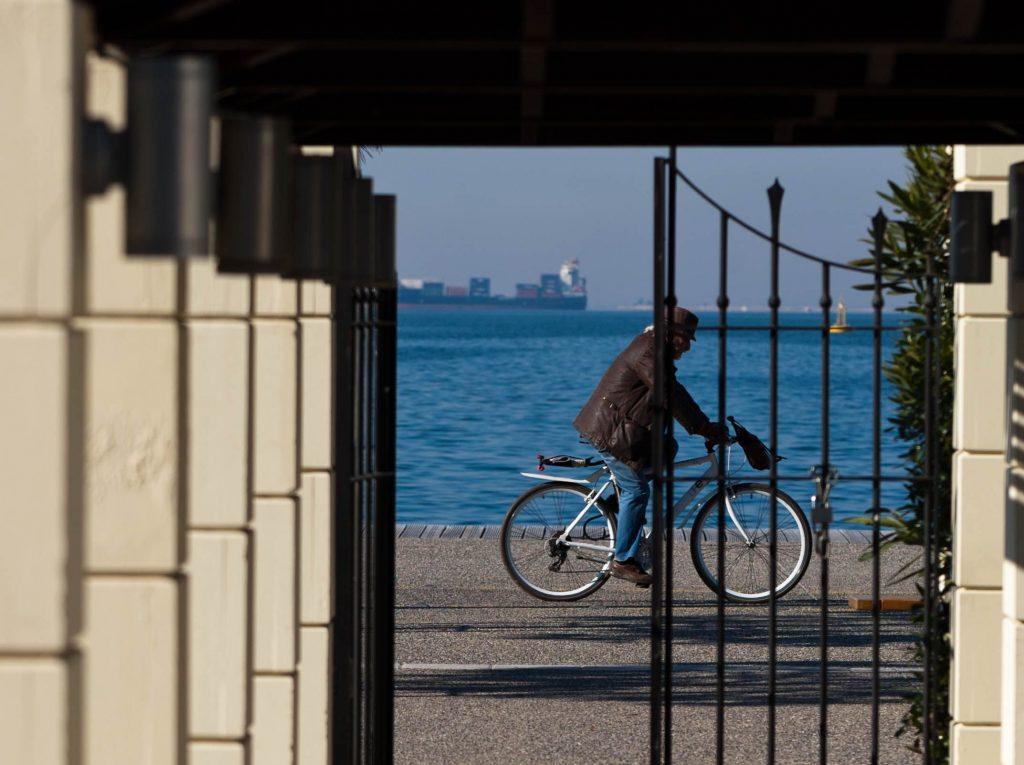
x=759 y=456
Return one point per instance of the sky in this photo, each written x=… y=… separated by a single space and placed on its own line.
x=512 y=214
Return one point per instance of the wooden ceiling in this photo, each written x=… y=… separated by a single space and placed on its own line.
x=569 y=72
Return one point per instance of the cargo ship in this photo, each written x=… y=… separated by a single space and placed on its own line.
x=566 y=290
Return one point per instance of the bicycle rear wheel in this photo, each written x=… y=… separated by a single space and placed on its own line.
x=747 y=559
x=531 y=552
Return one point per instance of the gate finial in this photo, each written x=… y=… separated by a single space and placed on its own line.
x=775 y=192
x=879 y=223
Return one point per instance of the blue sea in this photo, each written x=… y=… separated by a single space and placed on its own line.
x=481 y=393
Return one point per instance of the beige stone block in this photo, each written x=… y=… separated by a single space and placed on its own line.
x=274 y=296
x=274 y=610
x=980 y=400
x=991 y=298
x=316 y=393
x=275 y=407
x=131 y=658
x=216 y=753
x=208 y=293
x=315 y=541
x=218 y=621
x=1013 y=550
x=1015 y=389
x=33 y=717
x=1012 y=719
x=979 y=505
x=975 y=681
x=218 y=422
x=113 y=282
x=41 y=101
x=975 y=745
x=273 y=718
x=312 y=709
x=34 y=477
x=980 y=161
x=131 y=444
x=315 y=298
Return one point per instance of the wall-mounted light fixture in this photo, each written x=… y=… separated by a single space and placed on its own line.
x=1016 y=204
x=254 y=220
x=384 y=240
x=973 y=237
x=162 y=157
x=356 y=256
x=168 y=155
x=314 y=212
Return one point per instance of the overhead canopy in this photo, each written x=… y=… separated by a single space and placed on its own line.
x=569 y=72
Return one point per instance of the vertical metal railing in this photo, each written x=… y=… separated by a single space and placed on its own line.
x=723 y=323
x=668 y=453
x=822 y=512
x=659 y=691
x=346 y=699
x=877 y=302
x=928 y=521
x=385 y=349
x=775 y=192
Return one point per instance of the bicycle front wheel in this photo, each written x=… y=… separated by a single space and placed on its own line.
x=538 y=562
x=747 y=556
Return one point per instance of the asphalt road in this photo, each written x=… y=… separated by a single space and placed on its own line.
x=486 y=673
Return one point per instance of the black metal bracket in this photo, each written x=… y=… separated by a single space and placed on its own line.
x=824 y=477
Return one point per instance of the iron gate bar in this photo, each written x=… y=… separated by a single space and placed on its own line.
x=775 y=192
x=929 y=521
x=345 y=697
x=878 y=225
x=383 y=477
x=723 y=321
x=823 y=542
x=658 y=463
x=669 y=383
x=767 y=237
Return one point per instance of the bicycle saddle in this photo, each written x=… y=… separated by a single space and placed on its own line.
x=566 y=461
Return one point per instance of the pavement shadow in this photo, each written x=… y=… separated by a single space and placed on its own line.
x=694 y=624
x=694 y=684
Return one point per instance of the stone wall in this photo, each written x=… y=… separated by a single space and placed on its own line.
x=165 y=536
x=982 y=664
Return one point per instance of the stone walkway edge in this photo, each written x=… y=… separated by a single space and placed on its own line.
x=492 y=531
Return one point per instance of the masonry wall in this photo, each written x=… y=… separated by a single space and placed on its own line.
x=165 y=535
x=984 y=685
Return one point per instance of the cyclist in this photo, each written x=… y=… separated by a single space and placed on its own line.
x=617 y=420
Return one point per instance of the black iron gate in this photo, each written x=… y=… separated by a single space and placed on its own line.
x=823 y=476
x=365 y=356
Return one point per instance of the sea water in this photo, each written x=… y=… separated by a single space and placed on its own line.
x=482 y=393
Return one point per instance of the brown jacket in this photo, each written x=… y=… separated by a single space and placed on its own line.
x=618 y=415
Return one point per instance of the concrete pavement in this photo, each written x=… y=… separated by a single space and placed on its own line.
x=487 y=673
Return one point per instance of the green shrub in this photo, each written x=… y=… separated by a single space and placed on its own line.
x=920 y=230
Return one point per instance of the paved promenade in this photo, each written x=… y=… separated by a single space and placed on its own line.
x=488 y=674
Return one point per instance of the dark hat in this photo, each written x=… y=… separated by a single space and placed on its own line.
x=682 y=322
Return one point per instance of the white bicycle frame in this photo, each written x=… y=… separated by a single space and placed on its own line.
x=711 y=474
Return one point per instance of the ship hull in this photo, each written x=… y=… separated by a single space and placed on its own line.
x=562 y=303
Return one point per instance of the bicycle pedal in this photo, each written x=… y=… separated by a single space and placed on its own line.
x=642 y=586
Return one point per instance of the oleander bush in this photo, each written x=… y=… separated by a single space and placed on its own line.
x=918 y=231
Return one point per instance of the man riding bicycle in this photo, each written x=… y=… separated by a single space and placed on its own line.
x=617 y=420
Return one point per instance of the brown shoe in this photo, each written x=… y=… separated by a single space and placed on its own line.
x=631 y=573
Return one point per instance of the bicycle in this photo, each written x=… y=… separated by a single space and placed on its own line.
x=557 y=537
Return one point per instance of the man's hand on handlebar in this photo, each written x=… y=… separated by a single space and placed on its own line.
x=713 y=431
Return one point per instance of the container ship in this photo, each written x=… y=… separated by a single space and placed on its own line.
x=566 y=290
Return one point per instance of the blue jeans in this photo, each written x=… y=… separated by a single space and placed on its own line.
x=634 y=491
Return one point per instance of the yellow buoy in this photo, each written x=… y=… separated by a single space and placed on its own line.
x=840 y=324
